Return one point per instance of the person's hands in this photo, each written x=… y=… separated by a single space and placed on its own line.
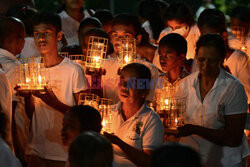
x=112 y=138
x=47 y=96
x=96 y=72
x=185 y=130
x=182 y=131
x=23 y=93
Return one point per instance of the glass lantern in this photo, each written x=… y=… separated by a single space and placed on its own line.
x=89 y=99
x=127 y=53
x=240 y=34
x=106 y=107
x=96 y=53
x=31 y=74
x=79 y=59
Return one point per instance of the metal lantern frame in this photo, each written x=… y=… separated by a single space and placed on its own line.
x=96 y=52
x=127 y=53
x=106 y=107
x=31 y=74
x=89 y=99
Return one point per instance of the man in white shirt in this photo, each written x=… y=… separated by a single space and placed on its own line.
x=67 y=80
x=11 y=43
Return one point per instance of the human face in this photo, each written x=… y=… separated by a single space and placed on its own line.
x=20 y=42
x=129 y=94
x=118 y=32
x=46 y=38
x=176 y=26
x=169 y=58
x=206 y=30
x=84 y=45
x=73 y=4
x=71 y=128
x=208 y=61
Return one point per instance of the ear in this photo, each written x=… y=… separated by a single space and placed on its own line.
x=59 y=35
x=138 y=39
x=182 y=56
x=224 y=35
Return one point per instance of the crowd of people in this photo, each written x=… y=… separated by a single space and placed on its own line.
x=205 y=63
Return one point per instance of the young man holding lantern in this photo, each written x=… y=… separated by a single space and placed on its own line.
x=47 y=108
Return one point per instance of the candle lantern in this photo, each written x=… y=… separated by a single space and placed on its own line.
x=79 y=59
x=127 y=51
x=96 y=53
x=174 y=112
x=170 y=107
x=64 y=54
x=31 y=74
x=241 y=34
x=89 y=99
x=106 y=107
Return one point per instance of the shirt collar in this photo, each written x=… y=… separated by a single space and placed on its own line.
x=6 y=54
x=183 y=74
x=219 y=80
x=138 y=113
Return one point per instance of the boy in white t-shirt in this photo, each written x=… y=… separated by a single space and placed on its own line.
x=47 y=109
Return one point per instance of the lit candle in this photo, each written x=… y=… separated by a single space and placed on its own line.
x=126 y=59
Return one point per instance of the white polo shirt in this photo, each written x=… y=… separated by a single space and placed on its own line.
x=111 y=78
x=45 y=141
x=227 y=97
x=143 y=131
x=239 y=65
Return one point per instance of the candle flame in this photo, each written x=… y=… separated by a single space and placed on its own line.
x=103 y=123
x=176 y=120
x=166 y=101
x=96 y=58
x=126 y=59
x=27 y=80
x=39 y=79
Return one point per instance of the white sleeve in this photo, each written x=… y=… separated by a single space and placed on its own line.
x=236 y=101
x=79 y=79
x=153 y=134
x=7 y=158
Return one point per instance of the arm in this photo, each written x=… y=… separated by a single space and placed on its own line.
x=140 y=158
x=50 y=99
x=231 y=135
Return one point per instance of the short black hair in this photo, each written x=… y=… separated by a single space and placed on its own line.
x=94 y=32
x=90 y=149
x=242 y=13
x=176 y=42
x=89 y=118
x=10 y=29
x=179 y=11
x=175 y=155
x=139 y=71
x=214 y=19
x=212 y=40
x=72 y=49
x=151 y=11
x=89 y=22
x=24 y=13
x=50 y=18
x=104 y=15
x=128 y=20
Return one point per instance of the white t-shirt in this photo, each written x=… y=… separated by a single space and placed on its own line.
x=6 y=102
x=7 y=158
x=65 y=79
x=239 y=65
x=143 y=131
x=192 y=38
x=70 y=27
x=227 y=97
x=111 y=79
